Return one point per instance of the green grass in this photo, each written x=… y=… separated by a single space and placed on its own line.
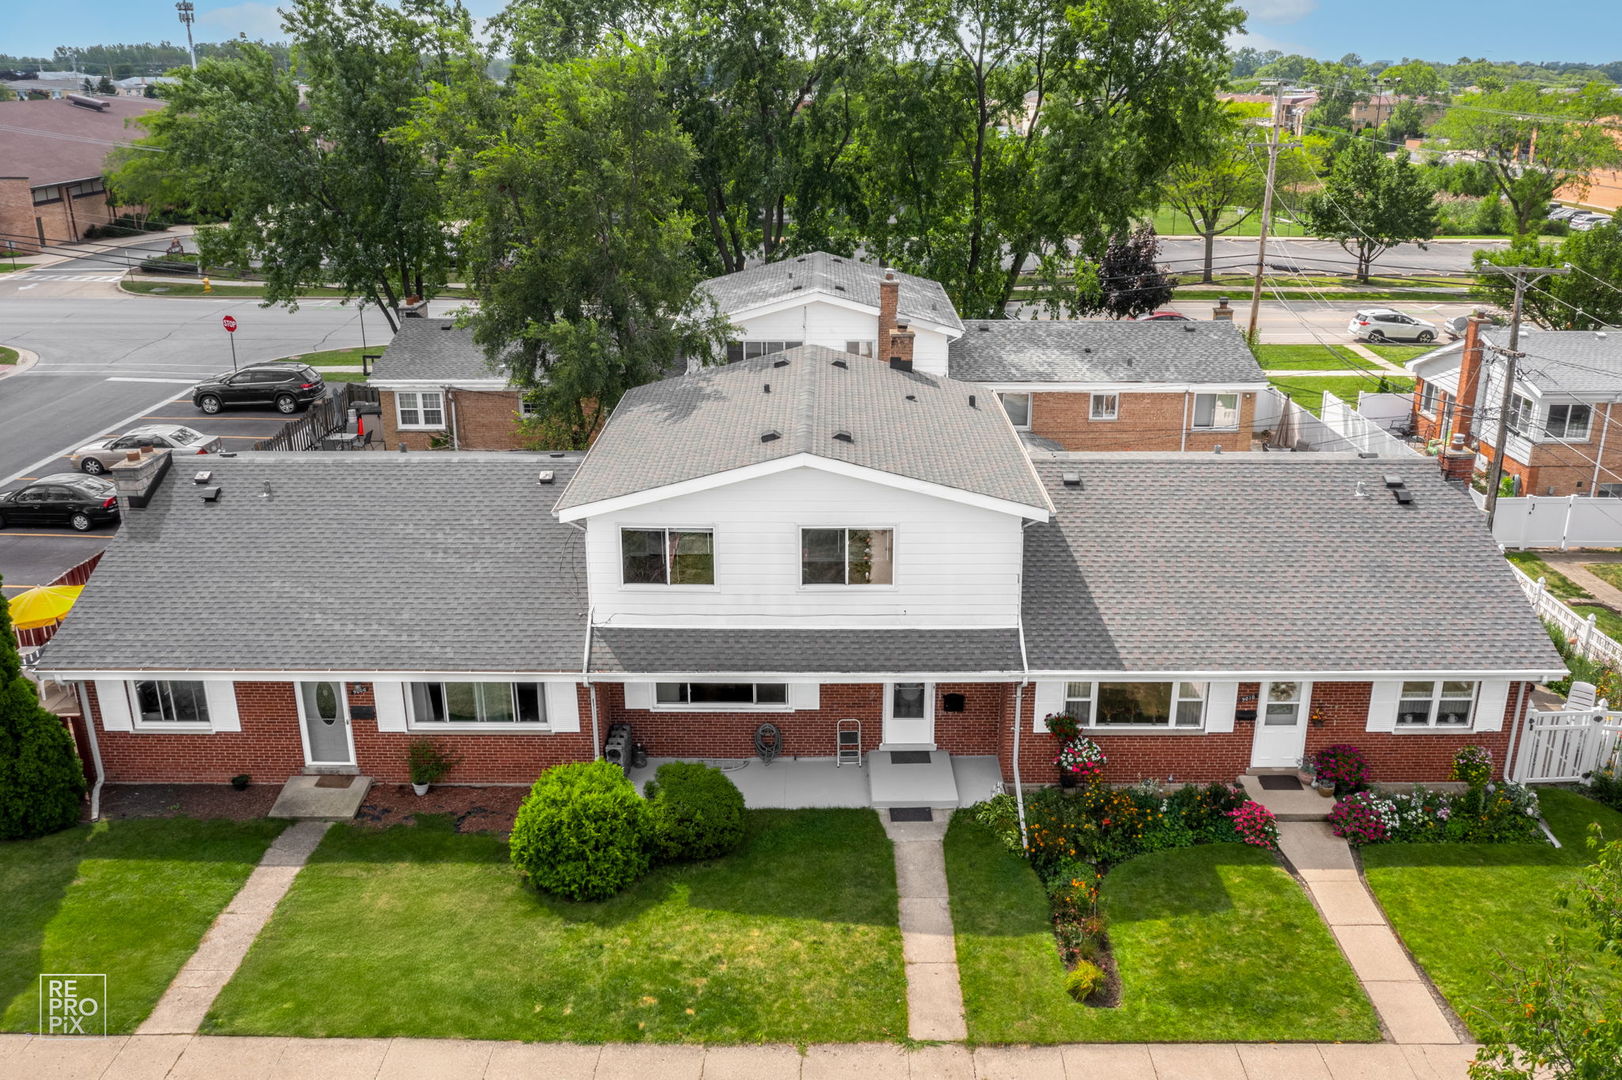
x=1308 y=390
x=1608 y=621
x=337 y=357
x=423 y=931
x=128 y=899
x=1608 y=572
x=1401 y=354
x=1557 y=583
x=8 y=356
x=1214 y=944
x=1309 y=357
x=1171 y=222
x=1459 y=907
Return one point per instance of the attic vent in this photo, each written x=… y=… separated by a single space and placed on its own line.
x=1129 y=361
x=779 y=363
x=1188 y=328
x=203 y=477
x=797 y=285
x=800 y=259
x=984 y=329
x=912 y=397
x=1086 y=348
x=448 y=326
x=1072 y=479
x=545 y=476
x=770 y=436
x=843 y=436
x=1392 y=480
x=971 y=401
x=1404 y=496
x=839 y=288
x=556 y=453
x=264 y=492
x=210 y=494
x=1362 y=491
x=841 y=364
x=767 y=387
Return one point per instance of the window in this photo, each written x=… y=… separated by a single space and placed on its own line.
x=667 y=556
x=1106 y=406
x=420 y=408
x=750 y=350
x=1216 y=410
x=860 y=348
x=1522 y=415
x=1608 y=491
x=1283 y=705
x=1078 y=701
x=847 y=557
x=528 y=408
x=909 y=701
x=719 y=695
x=1018 y=408
x=1167 y=705
x=1569 y=422
x=45 y=195
x=477 y=703
x=85 y=188
x=1435 y=704
x=1427 y=399
x=171 y=703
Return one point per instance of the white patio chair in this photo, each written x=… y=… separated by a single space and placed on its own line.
x=1581 y=697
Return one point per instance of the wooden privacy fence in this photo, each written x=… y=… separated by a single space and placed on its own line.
x=1564 y=747
x=326 y=416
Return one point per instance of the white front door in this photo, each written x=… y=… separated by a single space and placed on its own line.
x=909 y=714
x=325 y=724
x=1281 y=725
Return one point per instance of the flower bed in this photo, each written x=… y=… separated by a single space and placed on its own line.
x=1502 y=813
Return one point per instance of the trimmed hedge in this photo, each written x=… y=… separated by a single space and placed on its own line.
x=41 y=780
x=694 y=812
x=582 y=833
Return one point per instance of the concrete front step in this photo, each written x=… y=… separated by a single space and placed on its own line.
x=933 y=785
x=1303 y=805
x=302 y=799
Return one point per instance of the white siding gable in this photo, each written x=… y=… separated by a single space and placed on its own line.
x=955 y=565
x=817 y=322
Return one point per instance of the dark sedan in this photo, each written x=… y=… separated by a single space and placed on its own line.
x=73 y=499
x=288 y=387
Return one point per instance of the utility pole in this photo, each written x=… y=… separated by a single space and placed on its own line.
x=1523 y=275
x=188 y=15
x=1273 y=147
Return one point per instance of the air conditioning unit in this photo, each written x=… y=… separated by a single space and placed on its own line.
x=617 y=749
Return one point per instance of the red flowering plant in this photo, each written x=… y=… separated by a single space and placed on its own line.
x=1082 y=759
x=1362 y=818
x=1062 y=725
x=1343 y=766
x=1255 y=825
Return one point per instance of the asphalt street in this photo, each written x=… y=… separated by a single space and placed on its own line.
x=1231 y=255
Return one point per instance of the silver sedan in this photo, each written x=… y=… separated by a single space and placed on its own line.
x=97 y=457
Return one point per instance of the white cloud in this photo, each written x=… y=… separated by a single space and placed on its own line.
x=258 y=21
x=1279 y=11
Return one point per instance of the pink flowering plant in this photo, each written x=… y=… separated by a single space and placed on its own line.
x=1472 y=766
x=1361 y=818
x=1081 y=758
x=1255 y=825
x=1343 y=766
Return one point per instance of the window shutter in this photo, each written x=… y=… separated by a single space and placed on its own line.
x=1491 y=701
x=1220 y=700
x=222 y=706
x=1049 y=699
x=113 y=697
x=562 y=706
x=389 y=698
x=804 y=695
x=639 y=695
x=1383 y=705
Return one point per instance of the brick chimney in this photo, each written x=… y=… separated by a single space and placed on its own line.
x=1458 y=464
x=137 y=476
x=1464 y=406
x=889 y=297
x=898 y=350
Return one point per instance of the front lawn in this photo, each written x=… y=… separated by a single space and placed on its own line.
x=1401 y=354
x=1309 y=358
x=424 y=931
x=1459 y=907
x=1308 y=390
x=337 y=357
x=1608 y=572
x=1530 y=564
x=128 y=899
x=1214 y=943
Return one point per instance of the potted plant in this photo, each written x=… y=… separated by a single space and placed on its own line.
x=428 y=764
x=1343 y=767
x=1062 y=726
x=1080 y=761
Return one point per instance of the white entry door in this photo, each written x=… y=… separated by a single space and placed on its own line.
x=1281 y=725
x=909 y=714
x=325 y=714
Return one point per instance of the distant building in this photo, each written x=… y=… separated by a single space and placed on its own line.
x=137 y=86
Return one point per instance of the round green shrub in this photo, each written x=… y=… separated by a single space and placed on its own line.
x=694 y=812
x=582 y=832
x=1085 y=980
x=41 y=780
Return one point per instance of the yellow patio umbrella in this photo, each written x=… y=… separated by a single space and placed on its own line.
x=43 y=606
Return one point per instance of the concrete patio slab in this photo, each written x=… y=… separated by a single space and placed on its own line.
x=1370 y=1061
x=1411 y=1013
x=302 y=800
x=1019 y=1063
x=978 y=777
x=1346 y=903
x=1375 y=954
x=941 y=1063
x=64 y=1059
x=1302 y=805
x=1122 y=1061
x=554 y=1061
x=786 y=784
x=640 y=1062
x=750 y=1062
x=1282 y=1061
x=1197 y=1061
x=1309 y=845
x=245 y=1058
x=148 y=1057
x=869 y=1061
x=933 y=785
x=434 y=1059
x=330 y=1059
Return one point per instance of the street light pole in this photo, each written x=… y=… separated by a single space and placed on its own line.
x=188 y=15
x=1523 y=275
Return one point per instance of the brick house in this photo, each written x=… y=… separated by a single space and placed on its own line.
x=437 y=389
x=1568 y=390
x=797 y=539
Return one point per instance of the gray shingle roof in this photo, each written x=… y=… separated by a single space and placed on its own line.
x=1015 y=351
x=1567 y=361
x=1268 y=563
x=901 y=422
x=387 y=562
x=813 y=652
x=434 y=349
x=918 y=300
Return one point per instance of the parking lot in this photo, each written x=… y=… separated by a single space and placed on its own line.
x=32 y=556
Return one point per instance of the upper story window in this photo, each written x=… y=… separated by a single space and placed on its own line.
x=1161 y=705
x=1569 y=422
x=667 y=556
x=1018 y=408
x=451 y=703
x=749 y=350
x=43 y=195
x=719 y=695
x=847 y=557
x=1427 y=399
x=1441 y=704
x=1216 y=411
x=1106 y=406
x=170 y=702
x=1522 y=415
x=860 y=348
x=420 y=408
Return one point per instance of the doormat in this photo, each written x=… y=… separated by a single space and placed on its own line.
x=909 y=757
x=1280 y=783
x=334 y=781
x=911 y=813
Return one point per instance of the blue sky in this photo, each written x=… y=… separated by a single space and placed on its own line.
x=1578 y=30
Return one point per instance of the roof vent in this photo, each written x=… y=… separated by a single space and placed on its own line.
x=545 y=476
x=767 y=387
x=556 y=453
x=1086 y=348
x=264 y=493
x=210 y=493
x=843 y=436
x=985 y=328
x=841 y=364
x=779 y=363
x=912 y=397
x=203 y=477
x=1129 y=361
x=839 y=288
x=1404 y=496
x=1217 y=449
x=797 y=285
x=1188 y=328
x=1362 y=490
x=448 y=326
x=971 y=401
x=1392 y=480
x=800 y=259
x=1072 y=479
x=770 y=436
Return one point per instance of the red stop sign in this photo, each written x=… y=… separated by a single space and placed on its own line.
x=230 y=324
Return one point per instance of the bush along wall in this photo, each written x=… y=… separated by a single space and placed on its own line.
x=1074 y=836
x=1486 y=812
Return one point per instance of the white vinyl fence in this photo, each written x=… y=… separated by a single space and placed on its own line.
x=1365 y=435
x=1563 y=747
x=1341 y=430
x=1556 y=521
x=1580 y=630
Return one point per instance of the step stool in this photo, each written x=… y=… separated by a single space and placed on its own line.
x=848 y=743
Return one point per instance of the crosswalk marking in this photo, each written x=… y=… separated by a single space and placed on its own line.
x=69 y=277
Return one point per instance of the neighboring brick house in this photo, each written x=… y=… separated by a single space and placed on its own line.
x=52 y=161
x=795 y=540
x=1568 y=395
x=1118 y=385
x=437 y=390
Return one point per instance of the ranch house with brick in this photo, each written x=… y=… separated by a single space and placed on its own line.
x=808 y=540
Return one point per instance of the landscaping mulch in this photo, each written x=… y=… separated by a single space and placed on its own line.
x=201 y=801
x=474 y=809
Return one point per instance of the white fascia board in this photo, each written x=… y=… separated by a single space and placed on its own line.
x=1123 y=388
x=801 y=461
x=299 y=675
x=1446 y=358
x=1308 y=675
x=440 y=384
x=825 y=678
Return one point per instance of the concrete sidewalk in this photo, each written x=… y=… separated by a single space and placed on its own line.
x=210 y=1057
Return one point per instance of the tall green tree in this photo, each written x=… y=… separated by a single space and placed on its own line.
x=1588 y=298
x=1370 y=203
x=40 y=777
x=1534 y=143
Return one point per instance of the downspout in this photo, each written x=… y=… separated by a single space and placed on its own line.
x=1599 y=455
x=1019 y=723
x=450 y=402
x=591 y=687
x=95 y=753
x=1188 y=396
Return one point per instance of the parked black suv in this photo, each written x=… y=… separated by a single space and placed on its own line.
x=289 y=387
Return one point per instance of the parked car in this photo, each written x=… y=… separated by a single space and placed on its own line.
x=1164 y=316
x=1383 y=324
x=97 y=457
x=1562 y=213
x=72 y=499
x=1584 y=222
x=289 y=387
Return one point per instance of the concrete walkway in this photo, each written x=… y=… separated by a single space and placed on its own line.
x=1571 y=564
x=181 y=1009
x=1407 y=1007
x=209 y=1057
x=928 y=946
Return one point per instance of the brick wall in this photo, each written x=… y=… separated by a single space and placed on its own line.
x=485 y=419
x=1144 y=422
x=64 y=220
x=1399 y=756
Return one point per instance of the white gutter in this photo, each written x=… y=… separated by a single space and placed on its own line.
x=1019 y=724
x=1515 y=732
x=591 y=687
x=95 y=752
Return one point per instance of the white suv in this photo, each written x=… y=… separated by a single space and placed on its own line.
x=1383 y=324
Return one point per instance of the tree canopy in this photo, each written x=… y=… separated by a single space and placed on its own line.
x=1369 y=203
x=1588 y=298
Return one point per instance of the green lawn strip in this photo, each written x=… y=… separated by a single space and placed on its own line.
x=1401 y=354
x=128 y=899
x=342 y=376
x=8 y=356
x=1214 y=944
x=1308 y=357
x=1608 y=572
x=1557 y=583
x=1169 y=221
x=423 y=931
x=337 y=357
x=1459 y=907
x=1308 y=390
x=1607 y=621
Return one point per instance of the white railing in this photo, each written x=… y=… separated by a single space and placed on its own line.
x=1579 y=629
x=1564 y=747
